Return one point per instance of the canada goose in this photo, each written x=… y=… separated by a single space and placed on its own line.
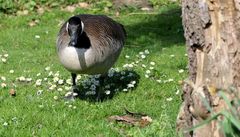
x=89 y=44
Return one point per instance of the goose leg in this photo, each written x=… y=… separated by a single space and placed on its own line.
x=74 y=85
x=71 y=95
x=101 y=90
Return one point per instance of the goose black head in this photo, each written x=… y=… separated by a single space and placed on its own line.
x=74 y=28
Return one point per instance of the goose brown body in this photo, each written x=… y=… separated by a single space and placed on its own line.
x=98 y=48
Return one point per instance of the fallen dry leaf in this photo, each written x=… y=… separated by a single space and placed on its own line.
x=70 y=8
x=212 y=89
x=84 y=5
x=40 y=10
x=117 y=14
x=12 y=92
x=132 y=118
x=24 y=12
x=33 y=22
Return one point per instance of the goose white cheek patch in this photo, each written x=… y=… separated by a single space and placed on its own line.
x=82 y=25
x=67 y=26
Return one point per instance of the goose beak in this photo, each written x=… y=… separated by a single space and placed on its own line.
x=73 y=41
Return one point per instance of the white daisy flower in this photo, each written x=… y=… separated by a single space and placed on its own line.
x=146 y=51
x=122 y=72
x=159 y=81
x=133 y=82
x=22 y=78
x=47 y=68
x=125 y=89
x=130 y=85
x=79 y=77
x=55 y=79
x=5 y=124
x=37 y=36
x=127 y=57
x=60 y=81
x=3 y=78
x=180 y=71
x=75 y=94
x=97 y=76
x=5 y=55
x=39 y=92
x=143 y=56
x=68 y=94
x=50 y=73
x=169 y=99
x=28 y=79
x=11 y=71
x=59 y=89
x=67 y=88
x=39 y=74
x=3 y=85
x=152 y=63
x=93 y=87
x=172 y=55
x=148 y=71
x=4 y=60
x=144 y=66
x=56 y=74
x=90 y=93
x=38 y=82
x=110 y=74
x=107 y=92
x=125 y=65
x=69 y=81
x=170 y=80
x=52 y=87
x=55 y=97
x=130 y=65
x=177 y=92
x=96 y=82
x=151 y=68
x=146 y=76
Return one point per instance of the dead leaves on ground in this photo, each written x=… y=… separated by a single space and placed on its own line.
x=33 y=22
x=12 y=92
x=132 y=118
x=71 y=8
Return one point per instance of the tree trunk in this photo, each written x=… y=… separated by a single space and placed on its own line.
x=212 y=32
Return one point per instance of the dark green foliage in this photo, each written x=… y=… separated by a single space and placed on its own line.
x=12 y=6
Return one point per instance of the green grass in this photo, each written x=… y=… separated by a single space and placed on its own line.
x=29 y=114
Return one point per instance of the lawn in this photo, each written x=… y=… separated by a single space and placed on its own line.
x=153 y=56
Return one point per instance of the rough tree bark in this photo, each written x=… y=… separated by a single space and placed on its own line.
x=212 y=32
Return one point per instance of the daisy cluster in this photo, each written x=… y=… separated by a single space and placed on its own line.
x=4 y=57
x=148 y=67
x=119 y=79
x=115 y=81
x=13 y=120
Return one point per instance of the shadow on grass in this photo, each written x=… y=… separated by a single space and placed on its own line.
x=123 y=81
x=155 y=31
